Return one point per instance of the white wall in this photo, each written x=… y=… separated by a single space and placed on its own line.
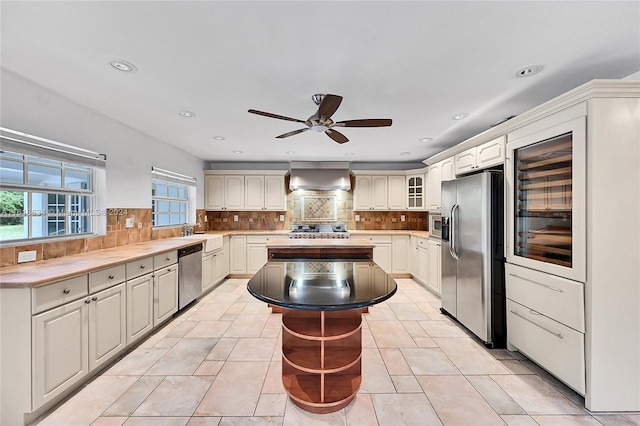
x=33 y=109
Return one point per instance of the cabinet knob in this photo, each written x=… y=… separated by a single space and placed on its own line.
x=66 y=291
x=94 y=298
x=87 y=301
x=111 y=277
x=168 y=258
x=142 y=266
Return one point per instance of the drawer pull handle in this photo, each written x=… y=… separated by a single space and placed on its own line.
x=558 y=335
x=87 y=301
x=142 y=266
x=94 y=298
x=66 y=291
x=111 y=277
x=559 y=290
x=168 y=259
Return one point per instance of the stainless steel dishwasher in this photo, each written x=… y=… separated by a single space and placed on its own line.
x=189 y=274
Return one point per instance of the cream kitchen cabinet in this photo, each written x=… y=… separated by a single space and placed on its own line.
x=382 y=254
x=207 y=271
x=264 y=193
x=370 y=193
x=165 y=294
x=213 y=270
x=400 y=254
x=413 y=255
x=416 y=192
x=434 y=266
x=225 y=257
x=437 y=173
x=75 y=338
x=447 y=169
x=479 y=157
x=224 y=192
x=139 y=307
x=257 y=252
x=238 y=254
x=421 y=260
x=397 y=192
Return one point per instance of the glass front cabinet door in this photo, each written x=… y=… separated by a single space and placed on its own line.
x=546 y=200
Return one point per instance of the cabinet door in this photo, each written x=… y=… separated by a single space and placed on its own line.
x=433 y=280
x=234 y=192
x=447 y=170
x=274 y=195
x=207 y=272
x=225 y=257
x=256 y=257
x=238 y=255
x=490 y=153
x=416 y=192
x=379 y=193
x=465 y=161
x=400 y=258
x=254 y=192
x=362 y=193
x=60 y=344
x=165 y=294
x=214 y=192
x=218 y=267
x=423 y=264
x=397 y=192
x=139 y=307
x=107 y=325
x=382 y=256
x=433 y=184
x=413 y=256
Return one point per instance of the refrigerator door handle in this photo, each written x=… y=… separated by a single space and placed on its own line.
x=453 y=247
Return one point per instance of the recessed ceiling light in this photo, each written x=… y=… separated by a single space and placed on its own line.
x=425 y=140
x=349 y=154
x=290 y=152
x=528 y=71
x=185 y=113
x=219 y=138
x=122 y=65
x=405 y=153
x=235 y=151
x=460 y=116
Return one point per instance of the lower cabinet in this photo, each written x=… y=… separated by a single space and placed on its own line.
x=207 y=271
x=421 y=268
x=165 y=294
x=139 y=307
x=400 y=254
x=215 y=267
x=73 y=339
x=238 y=254
x=382 y=254
x=434 y=267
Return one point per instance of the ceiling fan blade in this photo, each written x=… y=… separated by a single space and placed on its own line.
x=370 y=122
x=336 y=136
x=280 y=117
x=329 y=105
x=295 y=132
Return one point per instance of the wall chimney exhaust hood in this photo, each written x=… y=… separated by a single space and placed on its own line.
x=320 y=175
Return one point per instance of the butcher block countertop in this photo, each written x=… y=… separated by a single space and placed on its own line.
x=43 y=272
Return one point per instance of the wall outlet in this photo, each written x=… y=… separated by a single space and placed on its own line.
x=26 y=256
x=128 y=223
x=281 y=218
x=235 y=217
x=357 y=218
x=139 y=225
x=402 y=218
x=205 y=218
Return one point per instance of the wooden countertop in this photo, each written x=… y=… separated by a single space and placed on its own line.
x=422 y=234
x=319 y=243
x=35 y=274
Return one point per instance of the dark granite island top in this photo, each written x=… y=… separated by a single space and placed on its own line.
x=322 y=301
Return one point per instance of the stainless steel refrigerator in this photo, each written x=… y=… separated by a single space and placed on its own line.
x=473 y=254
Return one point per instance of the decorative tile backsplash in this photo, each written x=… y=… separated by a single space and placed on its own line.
x=319 y=208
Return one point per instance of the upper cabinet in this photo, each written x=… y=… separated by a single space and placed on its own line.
x=379 y=192
x=434 y=178
x=244 y=191
x=416 y=186
x=479 y=157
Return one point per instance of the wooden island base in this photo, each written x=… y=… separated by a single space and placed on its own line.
x=322 y=358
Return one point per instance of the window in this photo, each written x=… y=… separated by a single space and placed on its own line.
x=48 y=189
x=172 y=198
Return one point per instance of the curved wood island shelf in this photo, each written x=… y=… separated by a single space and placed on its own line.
x=322 y=302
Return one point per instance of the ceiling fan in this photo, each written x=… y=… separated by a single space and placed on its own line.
x=321 y=121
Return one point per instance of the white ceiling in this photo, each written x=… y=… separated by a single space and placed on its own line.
x=419 y=63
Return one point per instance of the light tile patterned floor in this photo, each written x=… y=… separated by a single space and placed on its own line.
x=219 y=363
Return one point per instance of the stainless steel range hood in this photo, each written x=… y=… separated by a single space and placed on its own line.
x=320 y=176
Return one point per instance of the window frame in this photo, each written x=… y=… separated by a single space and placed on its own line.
x=186 y=205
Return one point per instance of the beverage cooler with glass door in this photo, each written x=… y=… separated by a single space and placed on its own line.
x=546 y=200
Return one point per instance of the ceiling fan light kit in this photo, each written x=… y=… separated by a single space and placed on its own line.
x=321 y=121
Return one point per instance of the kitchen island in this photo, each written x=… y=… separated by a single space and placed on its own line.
x=322 y=301
x=320 y=248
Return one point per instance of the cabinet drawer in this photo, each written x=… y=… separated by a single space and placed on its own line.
x=555 y=297
x=261 y=239
x=52 y=295
x=557 y=348
x=139 y=267
x=376 y=239
x=422 y=242
x=165 y=259
x=105 y=278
